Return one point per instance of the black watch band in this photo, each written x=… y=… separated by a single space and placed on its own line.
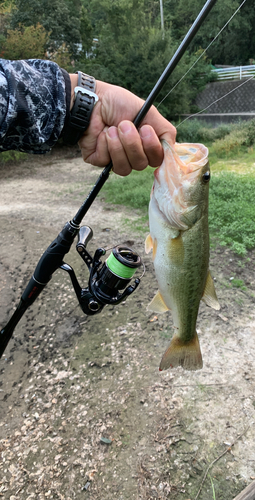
x=85 y=100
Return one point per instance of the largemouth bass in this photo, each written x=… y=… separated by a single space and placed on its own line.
x=179 y=238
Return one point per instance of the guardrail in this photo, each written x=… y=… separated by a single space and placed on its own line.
x=236 y=73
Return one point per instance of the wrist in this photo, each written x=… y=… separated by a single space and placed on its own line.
x=82 y=101
x=74 y=83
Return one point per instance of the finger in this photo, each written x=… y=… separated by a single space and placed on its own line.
x=121 y=165
x=132 y=144
x=151 y=145
x=163 y=128
x=95 y=151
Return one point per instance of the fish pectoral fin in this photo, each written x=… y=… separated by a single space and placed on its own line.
x=181 y=353
x=157 y=304
x=209 y=295
x=148 y=244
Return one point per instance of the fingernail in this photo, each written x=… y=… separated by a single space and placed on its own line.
x=112 y=132
x=125 y=127
x=145 y=132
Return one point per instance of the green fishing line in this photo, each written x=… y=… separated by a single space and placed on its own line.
x=118 y=268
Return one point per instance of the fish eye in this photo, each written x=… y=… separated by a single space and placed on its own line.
x=206 y=176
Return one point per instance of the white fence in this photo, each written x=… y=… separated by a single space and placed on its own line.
x=236 y=73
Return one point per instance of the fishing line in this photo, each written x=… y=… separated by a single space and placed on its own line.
x=201 y=55
x=214 y=102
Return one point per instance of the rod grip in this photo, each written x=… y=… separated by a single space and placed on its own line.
x=52 y=258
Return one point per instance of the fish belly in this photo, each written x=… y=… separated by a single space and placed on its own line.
x=181 y=266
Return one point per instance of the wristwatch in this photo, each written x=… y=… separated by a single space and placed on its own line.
x=84 y=102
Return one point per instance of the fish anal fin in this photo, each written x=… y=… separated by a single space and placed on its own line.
x=148 y=244
x=157 y=304
x=180 y=353
x=209 y=295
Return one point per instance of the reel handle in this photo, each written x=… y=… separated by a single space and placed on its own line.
x=84 y=236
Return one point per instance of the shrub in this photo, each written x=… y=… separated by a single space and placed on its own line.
x=195 y=131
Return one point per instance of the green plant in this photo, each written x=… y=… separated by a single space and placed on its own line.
x=195 y=131
x=213 y=490
x=237 y=283
x=26 y=42
x=132 y=191
x=11 y=156
x=232 y=211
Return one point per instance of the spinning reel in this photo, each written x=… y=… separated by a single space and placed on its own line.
x=106 y=280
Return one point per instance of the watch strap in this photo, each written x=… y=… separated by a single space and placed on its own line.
x=84 y=102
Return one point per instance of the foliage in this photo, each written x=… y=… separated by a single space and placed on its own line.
x=241 y=135
x=86 y=30
x=224 y=140
x=195 y=131
x=235 y=45
x=132 y=52
x=25 y=42
x=58 y=17
x=62 y=57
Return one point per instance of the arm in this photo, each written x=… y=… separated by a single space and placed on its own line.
x=35 y=101
x=33 y=104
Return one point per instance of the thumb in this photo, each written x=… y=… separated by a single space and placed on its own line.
x=163 y=128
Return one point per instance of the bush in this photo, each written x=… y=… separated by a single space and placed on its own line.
x=242 y=135
x=195 y=131
x=25 y=42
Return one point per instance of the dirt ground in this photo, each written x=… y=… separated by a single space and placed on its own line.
x=84 y=412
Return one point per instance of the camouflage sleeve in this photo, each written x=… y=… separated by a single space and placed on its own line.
x=33 y=105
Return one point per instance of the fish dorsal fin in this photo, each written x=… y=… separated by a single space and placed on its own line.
x=148 y=244
x=209 y=295
x=157 y=304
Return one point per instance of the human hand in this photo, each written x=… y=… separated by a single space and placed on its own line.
x=111 y=134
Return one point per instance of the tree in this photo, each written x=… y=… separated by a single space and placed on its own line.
x=56 y=16
x=131 y=52
x=234 y=46
x=25 y=42
x=86 y=31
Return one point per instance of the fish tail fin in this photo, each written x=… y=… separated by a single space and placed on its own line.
x=180 y=353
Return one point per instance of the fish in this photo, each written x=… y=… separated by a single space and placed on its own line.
x=179 y=240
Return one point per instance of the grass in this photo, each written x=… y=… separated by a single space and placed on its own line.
x=132 y=191
x=232 y=187
x=213 y=490
x=232 y=210
x=11 y=156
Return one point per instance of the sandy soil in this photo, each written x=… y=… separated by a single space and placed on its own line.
x=69 y=382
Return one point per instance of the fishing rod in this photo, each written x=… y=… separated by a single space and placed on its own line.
x=109 y=281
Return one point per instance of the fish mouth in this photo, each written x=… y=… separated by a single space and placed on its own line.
x=181 y=162
x=192 y=157
x=180 y=170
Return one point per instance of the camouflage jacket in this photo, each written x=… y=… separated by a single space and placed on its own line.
x=34 y=104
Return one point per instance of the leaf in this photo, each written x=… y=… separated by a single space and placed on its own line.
x=105 y=440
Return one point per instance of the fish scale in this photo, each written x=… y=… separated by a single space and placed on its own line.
x=181 y=256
